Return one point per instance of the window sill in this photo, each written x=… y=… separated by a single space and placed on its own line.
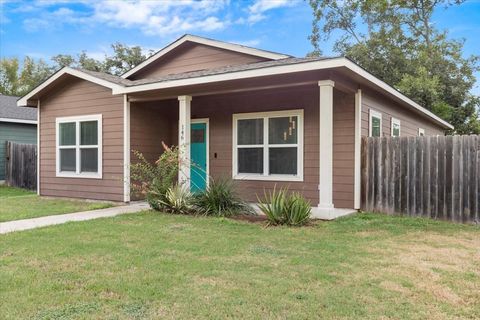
x=255 y=177
x=79 y=175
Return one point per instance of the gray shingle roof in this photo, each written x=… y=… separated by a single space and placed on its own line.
x=227 y=69
x=9 y=109
x=201 y=73
x=107 y=77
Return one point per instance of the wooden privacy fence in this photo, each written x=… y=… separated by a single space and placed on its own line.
x=21 y=165
x=436 y=177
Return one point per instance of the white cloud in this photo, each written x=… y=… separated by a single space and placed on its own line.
x=162 y=17
x=256 y=12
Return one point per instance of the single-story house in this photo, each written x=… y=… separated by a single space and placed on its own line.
x=16 y=125
x=259 y=117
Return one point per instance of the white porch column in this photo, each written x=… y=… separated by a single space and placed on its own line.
x=184 y=115
x=358 y=148
x=325 y=185
x=126 y=149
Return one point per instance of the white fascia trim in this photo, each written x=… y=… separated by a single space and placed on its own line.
x=66 y=70
x=18 y=121
x=208 y=42
x=298 y=67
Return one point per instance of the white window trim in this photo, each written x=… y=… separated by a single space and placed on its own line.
x=376 y=114
x=300 y=147
x=421 y=132
x=396 y=121
x=77 y=173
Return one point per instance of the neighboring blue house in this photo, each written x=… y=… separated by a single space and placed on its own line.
x=17 y=124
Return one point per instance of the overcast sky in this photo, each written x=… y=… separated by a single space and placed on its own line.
x=49 y=27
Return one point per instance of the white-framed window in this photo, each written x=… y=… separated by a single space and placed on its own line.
x=421 y=132
x=395 y=125
x=375 y=124
x=268 y=146
x=79 y=146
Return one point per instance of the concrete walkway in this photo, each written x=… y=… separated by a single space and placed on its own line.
x=25 y=224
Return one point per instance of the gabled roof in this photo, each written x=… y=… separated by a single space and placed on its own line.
x=209 y=42
x=10 y=112
x=100 y=78
x=120 y=85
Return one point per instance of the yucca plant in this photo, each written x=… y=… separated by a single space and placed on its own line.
x=221 y=199
x=178 y=199
x=283 y=208
x=274 y=205
x=298 y=210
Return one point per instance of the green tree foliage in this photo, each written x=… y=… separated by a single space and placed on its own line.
x=19 y=78
x=396 y=41
x=18 y=81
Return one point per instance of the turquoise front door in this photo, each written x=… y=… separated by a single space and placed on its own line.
x=198 y=155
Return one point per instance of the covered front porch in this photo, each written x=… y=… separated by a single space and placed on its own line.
x=263 y=134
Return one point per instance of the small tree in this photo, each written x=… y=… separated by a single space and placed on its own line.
x=153 y=180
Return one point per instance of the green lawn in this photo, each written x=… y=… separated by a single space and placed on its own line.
x=18 y=204
x=155 y=266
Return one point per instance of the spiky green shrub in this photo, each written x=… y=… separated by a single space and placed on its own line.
x=178 y=199
x=284 y=208
x=298 y=210
x=273 y=205
x=221 y=199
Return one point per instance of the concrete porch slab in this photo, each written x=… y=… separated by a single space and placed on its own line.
x=330 y=214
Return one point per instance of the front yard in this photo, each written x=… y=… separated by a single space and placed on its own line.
x=16 y=204
x=155 y=266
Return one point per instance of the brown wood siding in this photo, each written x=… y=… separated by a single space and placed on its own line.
x=343 y=149
x=77 y=97
x=409 y=120
x=192 y=57
x=150 y=124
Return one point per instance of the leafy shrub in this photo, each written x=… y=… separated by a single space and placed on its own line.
x=221 y=199
x=283 y=208
x=153 y=180
x=178 y=199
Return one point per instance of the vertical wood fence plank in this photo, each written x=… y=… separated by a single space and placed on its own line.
x=404 y=185
x=465 y=179
x=426 y=179
x=448 y=177
x=433 y=177
x=397 y=175
x=385 y=175
x=364 y=178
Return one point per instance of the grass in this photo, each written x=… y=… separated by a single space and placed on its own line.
x=18 y=204
x=155 y=266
